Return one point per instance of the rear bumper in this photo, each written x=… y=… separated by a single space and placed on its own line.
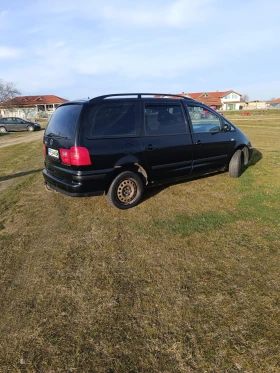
x=74 y=189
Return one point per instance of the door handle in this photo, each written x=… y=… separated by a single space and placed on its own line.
x=150 y=147
x=198 y=142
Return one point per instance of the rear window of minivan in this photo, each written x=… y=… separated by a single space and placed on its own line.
x=64 y=121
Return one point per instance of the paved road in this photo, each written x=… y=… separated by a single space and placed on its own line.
x=7 y=140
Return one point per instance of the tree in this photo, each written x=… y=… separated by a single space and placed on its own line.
x=8 y=90
x=245 y=98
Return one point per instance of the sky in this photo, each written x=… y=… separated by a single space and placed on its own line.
x=78 y=49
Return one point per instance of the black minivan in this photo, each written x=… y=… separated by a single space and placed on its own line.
x=119 y=144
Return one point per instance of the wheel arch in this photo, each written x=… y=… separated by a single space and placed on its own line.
x=134 y=167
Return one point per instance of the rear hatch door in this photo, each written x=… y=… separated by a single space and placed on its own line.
x=61 y=134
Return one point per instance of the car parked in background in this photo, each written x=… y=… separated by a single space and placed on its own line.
x=119 y=144
x=17 y=124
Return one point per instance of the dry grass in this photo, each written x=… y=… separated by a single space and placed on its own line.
x=188 y=281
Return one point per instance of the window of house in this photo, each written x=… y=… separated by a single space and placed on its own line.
x=204 y=120
x=165 y=119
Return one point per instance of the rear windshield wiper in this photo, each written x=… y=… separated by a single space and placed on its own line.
x=56 y=136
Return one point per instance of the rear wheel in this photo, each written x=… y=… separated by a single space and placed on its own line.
x=125 y=191
x=3 y=129
x=235 y=164
x=30 y=128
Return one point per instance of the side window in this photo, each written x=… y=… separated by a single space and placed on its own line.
x=164 y=120
x=113 y=120
x=204 y=120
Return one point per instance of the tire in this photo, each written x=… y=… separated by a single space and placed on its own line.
x=3 y=130
x=125 y=191
x=245 y=155
x=30 y=128
x=235 y=164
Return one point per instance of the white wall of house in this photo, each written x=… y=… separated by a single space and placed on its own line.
x=231 y=101
x=20 y=113
x=256 y=105
x=31 y=112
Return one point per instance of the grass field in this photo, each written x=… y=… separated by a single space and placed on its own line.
x=187 y=281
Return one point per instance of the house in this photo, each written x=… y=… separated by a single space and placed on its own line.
x=226 y=100
x=31 y=106
x=275 y=103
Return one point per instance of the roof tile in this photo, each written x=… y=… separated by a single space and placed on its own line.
x=35 y=100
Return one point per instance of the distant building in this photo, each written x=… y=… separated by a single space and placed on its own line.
x=275 y=103
x=31 y=106
x=227 y=100
x=253 y=105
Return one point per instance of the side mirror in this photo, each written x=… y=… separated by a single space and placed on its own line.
x=226 y=127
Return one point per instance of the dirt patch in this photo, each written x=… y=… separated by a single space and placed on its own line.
x=5 y=184
x=28 y=137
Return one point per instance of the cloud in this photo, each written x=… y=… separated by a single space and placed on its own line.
x=6 y=52
x=152 y=14
x=59 y=44
x=178 y=14
x=117 y=45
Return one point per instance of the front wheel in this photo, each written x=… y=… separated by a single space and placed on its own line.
x=30 y=128
x=125 y=191
x=235 y=164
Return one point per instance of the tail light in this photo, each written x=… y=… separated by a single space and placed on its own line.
x=44 y=149
x=75 y=156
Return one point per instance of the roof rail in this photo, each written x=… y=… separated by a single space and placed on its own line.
x=139 y=95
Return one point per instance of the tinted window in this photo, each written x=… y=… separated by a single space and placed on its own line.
x=64 y=120
x=164 y=120
x=204 y=120
x=112 y=120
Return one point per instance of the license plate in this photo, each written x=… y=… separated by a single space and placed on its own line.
x=53 y=153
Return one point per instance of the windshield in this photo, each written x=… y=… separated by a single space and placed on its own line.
x=63 y=121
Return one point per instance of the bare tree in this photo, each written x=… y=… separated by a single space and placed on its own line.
x=245 y=98
x=8 y=90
